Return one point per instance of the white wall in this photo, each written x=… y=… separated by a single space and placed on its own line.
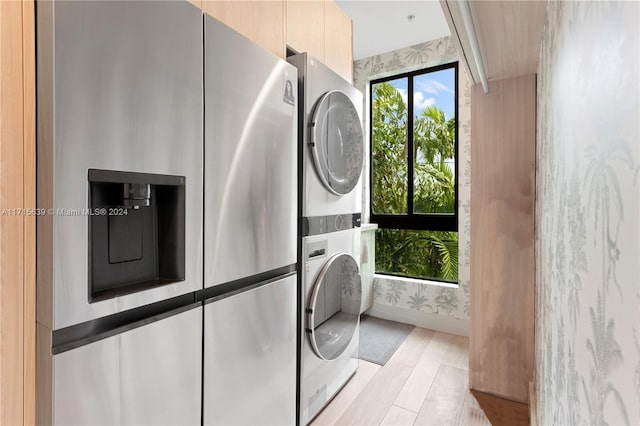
x=412 y=301
x=588 y=215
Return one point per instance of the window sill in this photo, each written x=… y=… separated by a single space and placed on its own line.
x=368 y=227
x=416 y=281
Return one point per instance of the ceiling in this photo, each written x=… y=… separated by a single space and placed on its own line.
x=381 y=25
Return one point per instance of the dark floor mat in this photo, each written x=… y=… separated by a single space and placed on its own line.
x=380 y=338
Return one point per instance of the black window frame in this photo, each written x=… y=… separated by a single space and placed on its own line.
x=447 y=222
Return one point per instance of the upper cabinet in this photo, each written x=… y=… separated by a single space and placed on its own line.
x=318 y=27
x=323 y=30
x=260 y=21
x=305 y=26
x=338 y=47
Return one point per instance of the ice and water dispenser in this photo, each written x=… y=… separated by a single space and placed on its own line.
x=136 y=232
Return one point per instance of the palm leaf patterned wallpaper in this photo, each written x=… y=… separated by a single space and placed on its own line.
x=588 y=215
x=414 y=295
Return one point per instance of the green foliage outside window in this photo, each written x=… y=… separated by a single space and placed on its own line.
x=422 y=254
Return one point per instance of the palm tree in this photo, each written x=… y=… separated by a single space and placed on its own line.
x=606 y=355
x=434 y=136
x=605 y=199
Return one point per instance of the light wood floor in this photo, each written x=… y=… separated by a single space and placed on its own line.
x=424 y=383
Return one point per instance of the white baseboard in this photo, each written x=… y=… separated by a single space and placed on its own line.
x=443 y=323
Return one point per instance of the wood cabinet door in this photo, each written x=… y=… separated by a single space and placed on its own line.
x=305 y=26
x=17 y=226
x=338 y=49
x=501 y=331
x=260 y=21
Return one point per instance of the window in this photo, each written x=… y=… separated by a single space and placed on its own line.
x=414 y=196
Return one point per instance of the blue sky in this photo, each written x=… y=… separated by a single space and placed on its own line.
x=435 y=88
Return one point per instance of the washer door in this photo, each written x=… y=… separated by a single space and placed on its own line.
x=334 y=310
x=337 y=142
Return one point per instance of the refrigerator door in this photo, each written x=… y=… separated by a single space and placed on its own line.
x=251 y=158
x=148 y=375
x=250 y=357
x=119 y=89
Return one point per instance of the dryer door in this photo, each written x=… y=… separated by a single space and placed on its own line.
x=337 y=142
x=334 y=309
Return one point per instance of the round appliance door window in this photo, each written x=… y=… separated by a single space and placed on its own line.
x=337 y=143
x=334 y=310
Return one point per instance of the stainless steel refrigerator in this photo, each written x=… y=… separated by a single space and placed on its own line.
x=120 y=184
x=250 y=232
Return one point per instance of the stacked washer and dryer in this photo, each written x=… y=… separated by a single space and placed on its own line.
x=331 y=155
